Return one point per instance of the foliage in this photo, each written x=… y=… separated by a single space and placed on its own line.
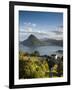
x=35 y=66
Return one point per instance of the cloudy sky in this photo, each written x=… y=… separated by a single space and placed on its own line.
x=40 y=24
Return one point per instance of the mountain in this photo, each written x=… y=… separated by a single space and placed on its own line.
x=34 y=41
x=54 y=42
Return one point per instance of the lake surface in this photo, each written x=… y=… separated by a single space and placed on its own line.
x=43 y=50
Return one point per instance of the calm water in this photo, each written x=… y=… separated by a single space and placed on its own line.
x=43 y=50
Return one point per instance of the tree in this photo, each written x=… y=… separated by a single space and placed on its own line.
x=60 y=69
x=51 y=63
x=36 y=53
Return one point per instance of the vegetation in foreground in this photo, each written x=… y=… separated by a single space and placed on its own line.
x=35 y=66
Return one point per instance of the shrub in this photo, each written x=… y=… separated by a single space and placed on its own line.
x=33 y=67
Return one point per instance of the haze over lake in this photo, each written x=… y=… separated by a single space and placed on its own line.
x=43 y=50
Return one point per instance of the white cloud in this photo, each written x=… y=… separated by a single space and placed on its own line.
x=25 y=23
x=44 y=34
x=31 y=28
x=29 y=24
x=34 y=25
x=28 y=27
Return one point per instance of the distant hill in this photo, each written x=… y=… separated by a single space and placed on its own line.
x=34 y=41
x=54 y=42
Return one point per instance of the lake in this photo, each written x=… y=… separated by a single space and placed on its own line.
x=43 y=50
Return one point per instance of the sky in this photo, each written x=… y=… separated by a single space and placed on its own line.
x=40 y=24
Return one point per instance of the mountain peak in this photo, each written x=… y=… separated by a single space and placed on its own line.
x=32 y=41
x=31 y=36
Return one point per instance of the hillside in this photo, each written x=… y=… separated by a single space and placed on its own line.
x=34 y=41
